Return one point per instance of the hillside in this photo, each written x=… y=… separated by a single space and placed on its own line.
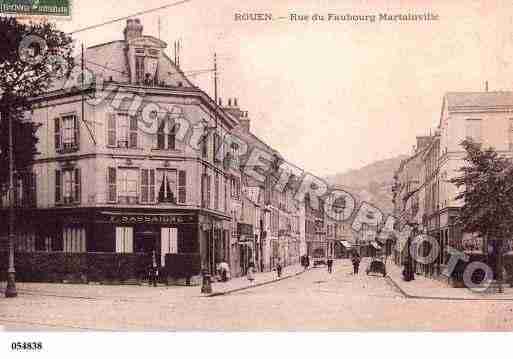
x=371 y=183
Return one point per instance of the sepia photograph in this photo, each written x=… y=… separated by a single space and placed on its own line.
x=309 y=166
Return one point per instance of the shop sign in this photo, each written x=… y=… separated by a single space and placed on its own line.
x=472 y=244
x=152 y=219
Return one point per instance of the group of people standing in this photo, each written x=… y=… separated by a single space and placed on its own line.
x=251 y=271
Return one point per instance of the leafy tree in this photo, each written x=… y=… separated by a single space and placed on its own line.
x=487 y=192
x=27 y=69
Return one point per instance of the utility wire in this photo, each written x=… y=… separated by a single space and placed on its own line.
x=132 y=15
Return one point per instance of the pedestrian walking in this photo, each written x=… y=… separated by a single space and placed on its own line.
x=330 y=265
x=356 y=263
x=279 y=268
x=251 y=273
x=307 y=261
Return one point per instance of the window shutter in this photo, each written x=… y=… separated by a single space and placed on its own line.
x=204 y=146
x=151 y=185
x=208 y=190
x=58 y=186
x=133 y=132
x=216 y=191
x=111 y=129
x=76 y=133
x=111 y=185
x=225 y=194
x=203 y=190
x=182 y=184
x=57 y=133
x=77 y=190
x=171 y=137
x=144 y=186
x=161 y=136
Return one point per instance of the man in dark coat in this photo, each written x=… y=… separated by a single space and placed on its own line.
x=356 y=263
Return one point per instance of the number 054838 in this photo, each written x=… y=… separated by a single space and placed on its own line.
x=26 y=346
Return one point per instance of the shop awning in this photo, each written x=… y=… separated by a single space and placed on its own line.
x=346 y=244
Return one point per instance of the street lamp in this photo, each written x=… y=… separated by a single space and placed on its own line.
x=10 y=290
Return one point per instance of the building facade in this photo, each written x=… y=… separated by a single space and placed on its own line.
x=104 y=183
x=484 y=117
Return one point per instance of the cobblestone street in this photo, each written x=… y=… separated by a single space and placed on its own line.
x=314 y=300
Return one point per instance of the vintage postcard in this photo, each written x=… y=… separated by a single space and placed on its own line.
x=309 y=165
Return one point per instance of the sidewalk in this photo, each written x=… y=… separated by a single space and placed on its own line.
x=261 y=278
x=430 y=288
x=145 y=292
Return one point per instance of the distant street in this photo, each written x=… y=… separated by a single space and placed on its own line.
x=312 y=301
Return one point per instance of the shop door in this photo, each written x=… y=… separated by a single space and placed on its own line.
x=146 y=241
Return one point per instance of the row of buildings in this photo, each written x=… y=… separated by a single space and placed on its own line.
x=102 y=184
x=423 y=193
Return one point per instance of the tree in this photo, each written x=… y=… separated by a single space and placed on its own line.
x=30 y=57
x=487 y=192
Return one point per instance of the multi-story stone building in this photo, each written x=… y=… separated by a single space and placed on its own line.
x=486 y=118
x=408 y=192
x=431 y=201
x=315 y=231
x=135 y=159
x=105 y=181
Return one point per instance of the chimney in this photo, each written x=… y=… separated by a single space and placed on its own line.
x=220 y=102
x=229 y=102
x=235 y=102
x=244 y=121
x=422 y=142
x=133 y=29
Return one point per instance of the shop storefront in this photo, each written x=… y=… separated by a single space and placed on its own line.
x=247 y=245
x=124 y=231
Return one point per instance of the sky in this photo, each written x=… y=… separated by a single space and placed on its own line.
x=329 y=96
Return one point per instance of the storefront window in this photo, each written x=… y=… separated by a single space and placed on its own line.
x=124 y=240
x=169 y=243
x=26 y=242
x=74 y=239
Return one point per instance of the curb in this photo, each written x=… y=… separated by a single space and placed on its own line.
x=230 y=291
x=410 y=296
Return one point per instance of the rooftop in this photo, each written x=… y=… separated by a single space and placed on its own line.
x=491 y=99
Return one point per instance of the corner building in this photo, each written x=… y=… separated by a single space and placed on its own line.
x=102 y=182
